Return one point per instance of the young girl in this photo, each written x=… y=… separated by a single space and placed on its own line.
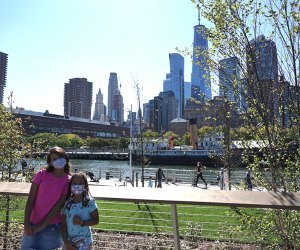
x=79 y=213
x=46 y=198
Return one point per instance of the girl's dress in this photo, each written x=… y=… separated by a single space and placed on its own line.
x=81 y=236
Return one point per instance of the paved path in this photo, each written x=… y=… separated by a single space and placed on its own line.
x=201 y=187
x=117 y=183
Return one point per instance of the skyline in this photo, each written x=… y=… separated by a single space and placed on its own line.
x=48 y=43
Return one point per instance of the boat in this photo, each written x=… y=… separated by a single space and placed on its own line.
x=162 y=152
x=178 y=157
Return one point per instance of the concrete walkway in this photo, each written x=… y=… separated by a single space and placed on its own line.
x=115 y=182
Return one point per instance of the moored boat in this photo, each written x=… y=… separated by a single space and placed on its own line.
x=178 y=157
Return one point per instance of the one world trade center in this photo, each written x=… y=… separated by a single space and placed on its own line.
x=200 y=79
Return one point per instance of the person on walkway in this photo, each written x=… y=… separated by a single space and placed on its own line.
x=159 y=176
x=199 y=170
x=79 y=214
x=150 y=183
x=46 y=198
x=248 y=179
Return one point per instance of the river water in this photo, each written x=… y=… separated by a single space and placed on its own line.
x=122 y=170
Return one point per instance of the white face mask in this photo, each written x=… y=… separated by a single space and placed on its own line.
x=77 y=188
x=59 y=163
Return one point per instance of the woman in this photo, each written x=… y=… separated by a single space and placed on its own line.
x=199 y=174
x=48 y=192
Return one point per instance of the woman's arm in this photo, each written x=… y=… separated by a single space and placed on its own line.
x=56 y=209
x=28 y=208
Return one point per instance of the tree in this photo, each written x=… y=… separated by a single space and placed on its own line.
x=13 y=150
x=123 y=143
x=150 y=134
x=186 y=138
x=205 y=131
x=69 y=141
x=97 y=142
x=264 y=38
x=45 y=140
x=168 y=134
x=176 y=140
x=142 y=160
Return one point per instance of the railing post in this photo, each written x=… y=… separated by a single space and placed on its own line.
x=173 y=177
x=132 y=181
x=175 y=227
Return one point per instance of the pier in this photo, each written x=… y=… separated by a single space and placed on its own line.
x=94 y=155
x=99 y=155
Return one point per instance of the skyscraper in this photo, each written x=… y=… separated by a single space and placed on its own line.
x=262 y=68
x=229 y=79
x=169 y=108
x=167 y=83
x=117 y=108
x=187 y=92
x=3 y=70
x=175 y=80
x=200 y=79
x=99 y=107
x=262 y=59
x=112 y=86
x=157 y=113
x=146 y=113
x=78 y=98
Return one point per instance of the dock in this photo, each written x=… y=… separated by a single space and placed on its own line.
x=93 y=155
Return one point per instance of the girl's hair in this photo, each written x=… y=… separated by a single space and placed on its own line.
x=86 y=193
x=61 y=153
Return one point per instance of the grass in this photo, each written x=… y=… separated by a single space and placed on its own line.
x=206 y=222
x=199 y=222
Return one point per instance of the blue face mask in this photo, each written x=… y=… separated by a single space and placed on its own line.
x=77 y=188
x=59 y=163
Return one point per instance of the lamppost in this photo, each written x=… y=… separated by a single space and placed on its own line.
x=130 y=138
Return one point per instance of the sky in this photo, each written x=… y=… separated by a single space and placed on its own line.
x=50 y=41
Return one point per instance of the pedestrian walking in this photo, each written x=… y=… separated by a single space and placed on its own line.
x=248 y=179
x=150 y=183
x=159 y=176
x=199 y=169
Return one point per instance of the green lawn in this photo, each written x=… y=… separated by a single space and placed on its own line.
x=208 y=222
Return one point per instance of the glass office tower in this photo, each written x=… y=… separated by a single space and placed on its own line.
x=175 y=80
x=200 y=79
x=229 y=80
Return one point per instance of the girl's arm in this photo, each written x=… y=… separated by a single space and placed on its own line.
x=64 y=233
x=56 y=209
x=94 y=221
x=28 y=208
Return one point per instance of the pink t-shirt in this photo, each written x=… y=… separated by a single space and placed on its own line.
x=49 y=192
